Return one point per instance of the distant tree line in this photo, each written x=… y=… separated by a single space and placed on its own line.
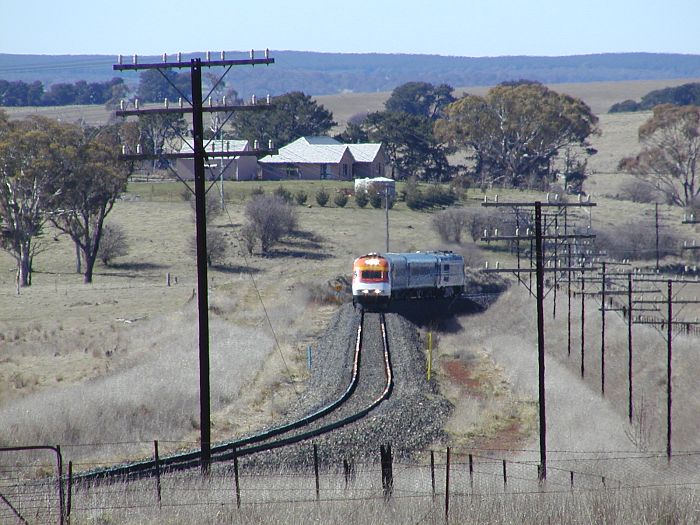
x=18 y=93
x=683 y=95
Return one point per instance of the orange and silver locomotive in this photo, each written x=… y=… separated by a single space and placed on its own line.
x=378 y=278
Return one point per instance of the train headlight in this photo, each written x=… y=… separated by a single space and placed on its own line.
x=377 y=291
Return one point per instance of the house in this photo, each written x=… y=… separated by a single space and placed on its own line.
x=236 y=167
x=323 y=158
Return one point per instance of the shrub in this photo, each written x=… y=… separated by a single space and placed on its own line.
x=301 y=197
x=361 y=198
x=284 y=194
x=216 y=246
x=212 y=206
x=437 y=195
x=636 y=241
x=340 y=199
x=375 y=199
x=112 y=244
x=257 y=191
x=450 y=224
x=269 y=219
x=322 y=197
x=639 y=191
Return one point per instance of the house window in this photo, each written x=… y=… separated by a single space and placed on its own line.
x=325 y=172
x=345 y=171
x=293 y=171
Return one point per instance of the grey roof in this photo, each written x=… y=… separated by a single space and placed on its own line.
x=321 y=150
x=216 y=145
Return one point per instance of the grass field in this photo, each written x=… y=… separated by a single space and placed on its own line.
x=113 y=362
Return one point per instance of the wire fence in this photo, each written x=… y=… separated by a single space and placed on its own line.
x=34 y=488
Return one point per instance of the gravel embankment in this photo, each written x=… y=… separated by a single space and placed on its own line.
x=411 y=419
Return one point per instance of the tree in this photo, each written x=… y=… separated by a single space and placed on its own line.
x=410 y=144
x=30 y=159
x=421 y=99
x=294 y=115
x=156 y=85
x=269 y=219
x=514 y=134
x=90 y=181
x=670 y=141
x=158 y=130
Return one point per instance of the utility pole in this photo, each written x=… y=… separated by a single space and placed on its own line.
x=542 y=235
x=199 y=155
x=386 y=213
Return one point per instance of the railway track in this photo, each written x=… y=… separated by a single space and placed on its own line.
x=371 y=383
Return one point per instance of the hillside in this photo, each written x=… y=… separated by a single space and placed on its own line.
x=330 y=73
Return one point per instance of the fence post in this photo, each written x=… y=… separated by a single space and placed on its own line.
x=69 y=490
x=156 y=458
x=318 y=486
x=387 y=474
x=471 y=472
x=235 y=478
x=59 y=468
x=447 y=486
x=505 y=476
x=432 y=471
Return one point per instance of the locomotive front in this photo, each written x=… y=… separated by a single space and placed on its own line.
x=370 y=280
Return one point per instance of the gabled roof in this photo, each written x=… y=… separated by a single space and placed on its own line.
x=365 y=152
x=216 y=145
x=321 y=150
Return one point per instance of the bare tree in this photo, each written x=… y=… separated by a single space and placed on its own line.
x=450 y=224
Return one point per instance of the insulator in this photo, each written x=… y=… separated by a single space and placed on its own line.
x=547 y=196
x=136 y=58
x=486 y=233
x=252 y=54
x=579 y=197
x=223 y=55
x=270 y=144
x=136 y=103
x=517 y=232
x=223 y=99
x=165 y=57
x=138 y=149
x=487 y=265
x=208 y=56
x=123 y=149
x=209 y=102
x=495 y=232
x=496 y=199
x=256 y=144
x=179 y=56
x=119 y=59
x=267 y=54
x=685 y=268
x=486 y=198
x=498 y=264
x=121 y=104
x=179 y=101
x=252 y=100
x=267 y=99
x=165 y=102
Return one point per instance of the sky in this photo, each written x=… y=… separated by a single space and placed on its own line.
x=472 y=28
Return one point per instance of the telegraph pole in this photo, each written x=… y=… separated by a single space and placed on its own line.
x=199 y=155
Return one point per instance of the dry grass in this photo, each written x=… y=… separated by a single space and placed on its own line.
x=123 y=349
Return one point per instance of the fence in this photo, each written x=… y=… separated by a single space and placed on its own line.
x=34 y=489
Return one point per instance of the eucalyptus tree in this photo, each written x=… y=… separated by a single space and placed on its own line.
x=670 y=152
x=30 y=158
x=515 y=134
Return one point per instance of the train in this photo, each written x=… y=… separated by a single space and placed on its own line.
x=380 y=278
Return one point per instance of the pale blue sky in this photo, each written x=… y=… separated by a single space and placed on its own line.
x=449 y=27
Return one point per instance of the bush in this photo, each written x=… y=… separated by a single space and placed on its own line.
x=212 y=206
x=340 y=199
x=322 y=197
x=216 y=246
x=301 y=197
x=112 y=244
x=257 y=191
x=284 y=194
x=375 y=199
x=639 y=191
x=450 y=224
x=636 y=241
x=269 y=219
x=361 y=198
x=437 y=195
